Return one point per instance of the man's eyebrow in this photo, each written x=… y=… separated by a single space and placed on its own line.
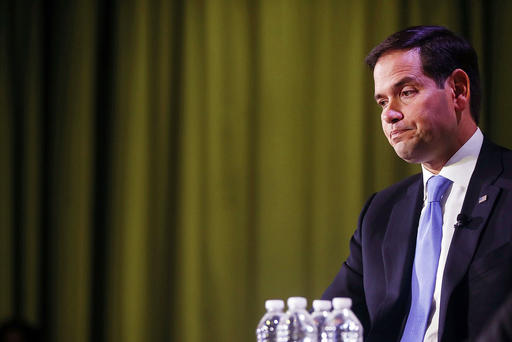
x=398 y=85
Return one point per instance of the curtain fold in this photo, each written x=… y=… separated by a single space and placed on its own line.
x=169 y=165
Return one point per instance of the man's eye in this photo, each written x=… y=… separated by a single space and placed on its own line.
x=382 y=103
x=408 y=93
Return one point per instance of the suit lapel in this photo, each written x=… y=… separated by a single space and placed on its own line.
x=478 y=203
x=398 y=249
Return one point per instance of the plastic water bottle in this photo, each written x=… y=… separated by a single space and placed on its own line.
x=322 y=309
x=297 y=325
x=342 y=324
x=266 y=331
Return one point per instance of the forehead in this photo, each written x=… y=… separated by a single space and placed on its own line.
x=395 y=66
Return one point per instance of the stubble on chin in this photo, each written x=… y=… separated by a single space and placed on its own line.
x=404 y=152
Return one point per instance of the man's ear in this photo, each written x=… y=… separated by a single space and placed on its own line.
x=459 y=82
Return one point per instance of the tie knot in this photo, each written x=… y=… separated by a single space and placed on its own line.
x=436 y=187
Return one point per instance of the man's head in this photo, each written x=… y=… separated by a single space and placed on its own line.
x=441 y=52
x=425 y=93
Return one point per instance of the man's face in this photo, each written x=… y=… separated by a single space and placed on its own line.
x=418 y=118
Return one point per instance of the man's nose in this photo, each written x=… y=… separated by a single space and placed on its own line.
x=391 y=115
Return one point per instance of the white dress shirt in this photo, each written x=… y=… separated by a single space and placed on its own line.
x=458 y=169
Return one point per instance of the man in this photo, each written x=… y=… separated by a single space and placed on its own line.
x=431 y=259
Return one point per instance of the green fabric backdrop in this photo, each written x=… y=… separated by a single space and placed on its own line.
x=166 y=166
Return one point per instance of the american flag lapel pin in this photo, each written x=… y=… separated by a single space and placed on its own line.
x=482 y=199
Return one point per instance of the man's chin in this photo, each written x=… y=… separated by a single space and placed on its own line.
x=406 y=154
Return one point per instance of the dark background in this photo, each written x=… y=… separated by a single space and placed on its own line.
x=166 y=166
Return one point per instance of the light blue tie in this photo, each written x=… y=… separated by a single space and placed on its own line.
x=426 y=259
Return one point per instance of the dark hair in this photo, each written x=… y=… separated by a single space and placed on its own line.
x=441 y=52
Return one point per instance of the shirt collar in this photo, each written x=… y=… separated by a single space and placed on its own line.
x=461 y=165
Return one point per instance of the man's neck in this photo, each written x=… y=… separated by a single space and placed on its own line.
x=436 y=166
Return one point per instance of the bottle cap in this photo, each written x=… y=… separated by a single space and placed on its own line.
x=341 y=303
x=274 y=304
x=321 y=305
x=297 y=303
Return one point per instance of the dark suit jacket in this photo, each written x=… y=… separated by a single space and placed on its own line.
x=500 y=327
x=478 y=272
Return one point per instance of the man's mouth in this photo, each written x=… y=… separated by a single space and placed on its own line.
x=396 y=134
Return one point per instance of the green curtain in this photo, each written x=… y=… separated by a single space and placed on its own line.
x=166 y=166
